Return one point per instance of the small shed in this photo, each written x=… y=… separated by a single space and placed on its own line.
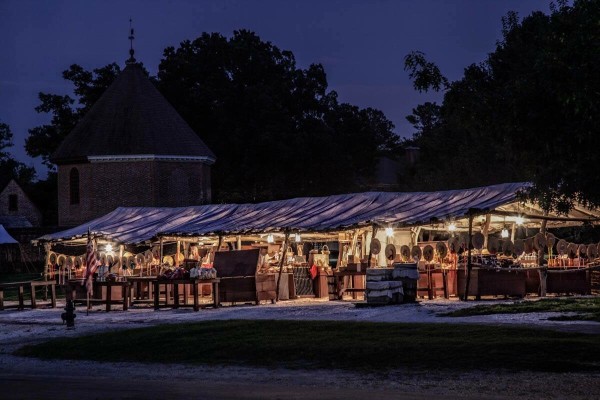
x=16 y=208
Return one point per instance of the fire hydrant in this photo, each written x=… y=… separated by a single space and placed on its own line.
x=69 y=315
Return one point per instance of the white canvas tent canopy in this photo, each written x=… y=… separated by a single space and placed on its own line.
x=5 y=237
x=143 y=225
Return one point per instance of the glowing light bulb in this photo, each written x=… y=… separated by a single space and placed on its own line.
x=108 y=248
x=297 y=238
x=504 y=233
x=519 y=220
x=452 y=227
x=270 y=238
x=389 y=232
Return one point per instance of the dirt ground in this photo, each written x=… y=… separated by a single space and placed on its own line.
x=25 y=378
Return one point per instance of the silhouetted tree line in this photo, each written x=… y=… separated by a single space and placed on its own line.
x=526 y=113
x=529 y=112
x=277 y=130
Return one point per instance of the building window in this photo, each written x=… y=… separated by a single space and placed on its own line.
x=13 y=202
x=74 y=186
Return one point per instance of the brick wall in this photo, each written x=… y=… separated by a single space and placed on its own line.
x=108 y=185
x=24 y=206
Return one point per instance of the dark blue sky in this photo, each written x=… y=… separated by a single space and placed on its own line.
x=361 y=43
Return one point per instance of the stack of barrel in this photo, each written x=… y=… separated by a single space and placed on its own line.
x=382 y=288
x=408 y=274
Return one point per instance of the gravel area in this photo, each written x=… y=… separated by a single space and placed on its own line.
x=31 y=326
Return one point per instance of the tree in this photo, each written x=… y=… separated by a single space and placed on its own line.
x=9 y=167
x=276 y=130
x=528 y=113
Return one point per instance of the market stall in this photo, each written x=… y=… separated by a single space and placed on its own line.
x=323 y=245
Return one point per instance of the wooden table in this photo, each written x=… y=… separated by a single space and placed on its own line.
x=141 y=289
x=353 y=283
x=31 y=285
x=105 y=298
x=173 y=284
x=432 y=280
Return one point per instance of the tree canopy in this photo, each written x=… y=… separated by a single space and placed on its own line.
x=9 y=167
x=527 y=113
x=276 y=129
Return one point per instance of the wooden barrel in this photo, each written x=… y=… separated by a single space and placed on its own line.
x=409 y=285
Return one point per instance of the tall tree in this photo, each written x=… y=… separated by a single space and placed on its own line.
x=275 y=128
x=527 y=113
x=9 y=167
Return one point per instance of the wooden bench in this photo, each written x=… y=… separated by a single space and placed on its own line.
x=31 y=286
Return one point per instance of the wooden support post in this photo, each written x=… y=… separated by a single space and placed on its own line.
x=161 y=250
x=374 y=232
x=352 y=249
x=543 y=271
x=485 y=230
x=469 y=264
x=284 y=250
x=239 y=243
x=513 y=232
x=47 y=248
x=121 y=248
x=177 y=252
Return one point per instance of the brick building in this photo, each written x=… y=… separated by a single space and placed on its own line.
x=131 y=149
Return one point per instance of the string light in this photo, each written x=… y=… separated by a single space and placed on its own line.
x=108 y=248
x=389 y=232
x=270 y=238
x=297 y=238
x=452 y=227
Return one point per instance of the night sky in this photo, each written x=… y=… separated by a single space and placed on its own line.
x=360 y=43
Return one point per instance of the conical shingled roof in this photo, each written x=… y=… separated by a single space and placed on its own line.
x=132 y=118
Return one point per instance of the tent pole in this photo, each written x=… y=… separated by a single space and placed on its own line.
x=285 y=244
x=543 y=271
x=239 y=242
x=374 y=232
x=486 y=228
x=122 y=270
x=352 y=249
x=469 y=264
x=47 y=248
x=161 y=251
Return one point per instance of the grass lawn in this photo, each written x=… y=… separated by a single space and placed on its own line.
x=587 y=309
x=371 y=347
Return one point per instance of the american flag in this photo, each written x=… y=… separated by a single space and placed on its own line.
x=91 y=264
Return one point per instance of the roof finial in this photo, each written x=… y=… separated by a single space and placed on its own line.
x=131 y=59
